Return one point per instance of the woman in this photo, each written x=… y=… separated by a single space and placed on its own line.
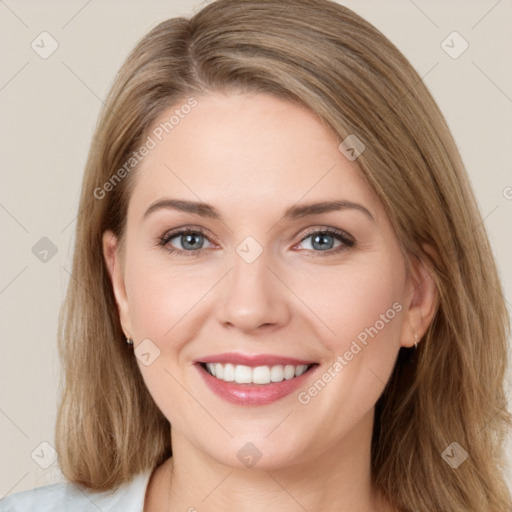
x=283 y=296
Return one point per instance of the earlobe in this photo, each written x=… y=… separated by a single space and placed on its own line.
x=423 y=301
x=114 y=263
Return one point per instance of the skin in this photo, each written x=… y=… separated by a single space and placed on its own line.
x=252 y=156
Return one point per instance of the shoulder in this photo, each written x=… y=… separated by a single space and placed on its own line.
x=43 y=499
x=129 y=497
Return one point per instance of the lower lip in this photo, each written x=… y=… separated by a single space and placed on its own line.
x=253 y=394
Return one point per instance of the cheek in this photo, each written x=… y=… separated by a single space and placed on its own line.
x=162 y=297
x=363 y=306
x=162 y=302
x=359 y=302
x=367 y=312
x=360 y=308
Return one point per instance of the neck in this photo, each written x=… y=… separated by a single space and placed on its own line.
x=338 y=480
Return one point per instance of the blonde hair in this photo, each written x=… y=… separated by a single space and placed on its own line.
x=325 y=57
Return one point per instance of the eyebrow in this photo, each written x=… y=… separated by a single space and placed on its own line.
x=293 y=212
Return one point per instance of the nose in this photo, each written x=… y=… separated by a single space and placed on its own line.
x=253 y=297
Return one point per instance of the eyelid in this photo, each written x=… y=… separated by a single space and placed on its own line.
x=171 y=233
x=164 y=239
x=344 y=237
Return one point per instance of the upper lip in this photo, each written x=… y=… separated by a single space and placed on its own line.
x=253 y=360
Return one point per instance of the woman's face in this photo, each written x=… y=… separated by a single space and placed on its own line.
x=242 y=272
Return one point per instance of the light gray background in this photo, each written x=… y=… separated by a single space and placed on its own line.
x=49 y=108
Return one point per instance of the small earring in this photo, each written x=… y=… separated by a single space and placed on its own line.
x=129 y=341
x=415 y=341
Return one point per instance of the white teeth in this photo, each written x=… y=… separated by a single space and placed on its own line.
x=276 y=373
x=300 y=370
x=229 y=373
x=289 y=372
x=242 y=374
x=261 y=375
x=219 y=370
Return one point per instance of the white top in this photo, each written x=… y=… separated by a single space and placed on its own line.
x=69 y=497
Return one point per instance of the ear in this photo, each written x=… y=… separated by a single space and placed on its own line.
x=421 y=301
x=113 y=254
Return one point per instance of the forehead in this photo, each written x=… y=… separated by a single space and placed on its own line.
x=250 y=150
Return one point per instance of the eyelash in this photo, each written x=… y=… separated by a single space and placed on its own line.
x=346 y=240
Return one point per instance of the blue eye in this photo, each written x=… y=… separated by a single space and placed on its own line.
x=322 y=241
x=192 y=241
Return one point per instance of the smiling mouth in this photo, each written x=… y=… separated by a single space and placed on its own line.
x=242 y=374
